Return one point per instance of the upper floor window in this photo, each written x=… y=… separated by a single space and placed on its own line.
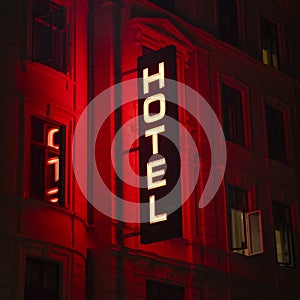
x=228 y=22
x=47 y=161
x=162 y=291
x=283 y=234
x=166 y=4
x=232 y=111
x=269 y=43
x=245 y=230
x=275 y=133
x=51 y=35
x=41 y=280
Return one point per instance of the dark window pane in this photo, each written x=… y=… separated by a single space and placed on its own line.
x=37 y=131
x=66 y=49
x=51 y=44
x=41 y=280
x=42 y=42
x=37 y=171
x=41 y=7
x=59 y=17
x=228 y=21
x=58 y=49
x=232 y=112
x=161 y=291
x=166 y=4
x=237 y=198
x=34 y=276
x=275 y=133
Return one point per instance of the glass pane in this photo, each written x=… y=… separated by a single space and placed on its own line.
x=166 y=4
x=161 y=291
x=237 y=229
x=41 y=7
x=37 y=131
x=53 y=176
x=37 y=177
x=50 y=277
x=233 y=123
x=58 y=46
x=42 y=41
x=275 y=133
x=279 y=247
x=33 y=278
x=274 y=61
x=283 y=234
x=59 y=17
x=265 y=56
x=269 y=43
x=287 y=245
x=237 y=198
x=228 y=24
x=41 y=280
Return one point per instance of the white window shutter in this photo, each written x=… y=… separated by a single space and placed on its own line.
x=254 y=232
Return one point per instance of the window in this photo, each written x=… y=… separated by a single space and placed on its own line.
x=161 y=291
x=232 y=111
x=41 y=280
x=269 y=43
x=51 y=35
x=245 y=230
x=228 y=22
x=166 y=4
x=275 y=133
x=47 y=161
x=283 y=234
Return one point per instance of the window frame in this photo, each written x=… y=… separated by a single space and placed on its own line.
x=43 y=263
x=158 y=284
x=285 y=121
x=246 y=212
x=290 y=236
x=248 y=230
x=46 y=149
x=281 y=49
x=232 y=125
x=244 y=91
x=240 y=210
x=61 y=61
x=220 y=12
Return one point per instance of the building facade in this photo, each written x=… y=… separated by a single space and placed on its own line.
x=242 y=57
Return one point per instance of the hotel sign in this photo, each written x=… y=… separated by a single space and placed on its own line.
x=159 y=158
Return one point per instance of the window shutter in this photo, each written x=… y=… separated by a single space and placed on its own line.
x=254 y=232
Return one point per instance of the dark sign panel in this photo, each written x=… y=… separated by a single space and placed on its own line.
x=158 y=155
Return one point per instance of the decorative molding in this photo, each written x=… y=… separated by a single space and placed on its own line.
x=161 y=32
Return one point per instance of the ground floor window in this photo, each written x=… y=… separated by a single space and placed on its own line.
x=41 y=280
x=161 y=291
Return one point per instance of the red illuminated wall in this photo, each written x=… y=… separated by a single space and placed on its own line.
x=102 y=258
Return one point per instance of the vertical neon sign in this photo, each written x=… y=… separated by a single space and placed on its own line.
x=158 y=157
x=53 y=159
